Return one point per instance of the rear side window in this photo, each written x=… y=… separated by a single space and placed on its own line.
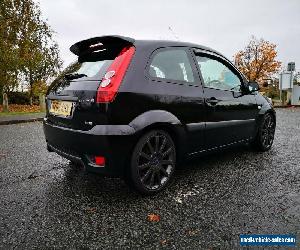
x=171 y=64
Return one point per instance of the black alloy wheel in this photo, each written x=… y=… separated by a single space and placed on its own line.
x=265 y=136
x=153 y=162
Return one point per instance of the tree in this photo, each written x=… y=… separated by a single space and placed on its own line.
x=8 y=49
x=28 y=52
x=258 y=60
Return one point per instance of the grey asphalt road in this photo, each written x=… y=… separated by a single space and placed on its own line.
x=212 y=200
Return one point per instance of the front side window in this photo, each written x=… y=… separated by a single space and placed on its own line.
x=171 y=64
x=217 y=75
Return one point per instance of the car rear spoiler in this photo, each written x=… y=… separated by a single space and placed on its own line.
x=102 y=43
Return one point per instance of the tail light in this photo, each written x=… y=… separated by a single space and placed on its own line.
x=112 y=80
x=99 y=160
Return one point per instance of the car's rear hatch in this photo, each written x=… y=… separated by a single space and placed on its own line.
x=78 y=98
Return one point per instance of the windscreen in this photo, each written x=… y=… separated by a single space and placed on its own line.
x=80 y=74
x=94 y=70
x=87 y=72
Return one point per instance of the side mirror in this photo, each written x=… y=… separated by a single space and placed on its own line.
x=252 y=87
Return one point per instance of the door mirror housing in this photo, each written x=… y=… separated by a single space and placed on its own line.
x=252 y=87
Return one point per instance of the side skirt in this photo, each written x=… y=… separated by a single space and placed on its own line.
x=220 y=147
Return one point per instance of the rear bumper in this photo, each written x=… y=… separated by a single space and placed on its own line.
x=114 y=142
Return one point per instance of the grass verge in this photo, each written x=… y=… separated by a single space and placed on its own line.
x=19 y=113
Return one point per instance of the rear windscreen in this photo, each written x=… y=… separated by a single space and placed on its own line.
x=90 y=66
x=93 y=70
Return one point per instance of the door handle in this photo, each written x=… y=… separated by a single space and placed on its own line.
x=212 y=101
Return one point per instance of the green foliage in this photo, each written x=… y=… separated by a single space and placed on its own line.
x=18 y=97
x=273 y=92
x=21 y=98
x=28 y=54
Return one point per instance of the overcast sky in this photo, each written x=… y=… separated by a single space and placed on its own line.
x=225 y=25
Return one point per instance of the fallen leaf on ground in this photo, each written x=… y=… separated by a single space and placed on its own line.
x=91 y=210
x=192 y=232
x=22 y=108
x=153 y=217
x=164 y=242
x=2 y=155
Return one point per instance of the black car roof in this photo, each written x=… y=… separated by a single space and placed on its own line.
x=170 y=43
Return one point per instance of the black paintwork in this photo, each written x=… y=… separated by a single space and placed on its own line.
x=198 y=118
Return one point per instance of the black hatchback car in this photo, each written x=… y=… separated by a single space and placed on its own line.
x=133 y=108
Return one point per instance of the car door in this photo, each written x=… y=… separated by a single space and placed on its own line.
x=230 y=112
x=174 y=82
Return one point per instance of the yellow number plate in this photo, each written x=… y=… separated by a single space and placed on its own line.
x=61 y=108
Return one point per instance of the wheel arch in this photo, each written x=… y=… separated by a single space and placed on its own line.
x=164 y=120
x=266 y=109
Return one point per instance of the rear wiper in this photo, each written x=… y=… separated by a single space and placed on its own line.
x=74 y=76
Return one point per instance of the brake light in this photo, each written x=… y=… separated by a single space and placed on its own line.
x=112 y=80
x=99 y=160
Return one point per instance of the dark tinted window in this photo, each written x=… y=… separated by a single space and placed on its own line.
x=171 y=64
x=87 y=72
x=92 y=69
x=217 y=75
x=83 y=73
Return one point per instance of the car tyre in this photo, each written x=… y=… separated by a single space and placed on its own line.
x=152 y=163
x=265 y=135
